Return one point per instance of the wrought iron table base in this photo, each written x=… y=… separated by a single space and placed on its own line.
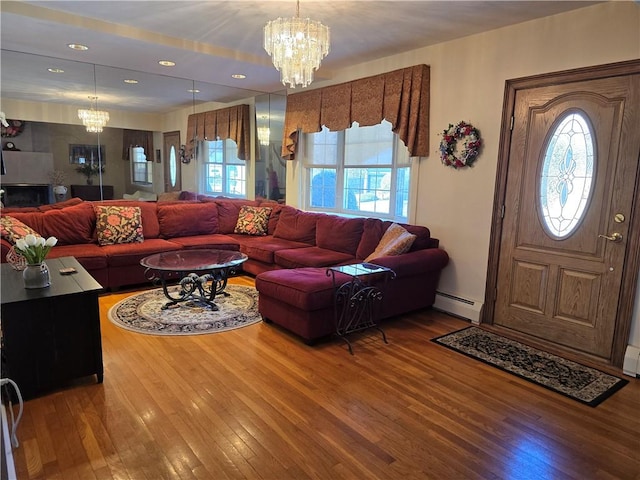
x=196 y=287
x=356 y=304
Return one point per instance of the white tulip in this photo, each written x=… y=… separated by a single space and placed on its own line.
x=51 y=241
x=21 y=244
x=40 y=242
x=31 y=240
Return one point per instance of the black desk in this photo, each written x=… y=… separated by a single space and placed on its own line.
x=50 y=335
x=92 y=192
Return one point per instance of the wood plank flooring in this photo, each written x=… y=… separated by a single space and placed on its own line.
x=257 y=403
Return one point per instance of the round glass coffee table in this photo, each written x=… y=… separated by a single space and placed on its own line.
x=203 y=273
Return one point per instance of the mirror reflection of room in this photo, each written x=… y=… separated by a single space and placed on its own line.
x=40 y=155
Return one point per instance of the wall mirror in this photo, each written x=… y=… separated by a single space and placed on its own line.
x=49 y=97
x=271 y=169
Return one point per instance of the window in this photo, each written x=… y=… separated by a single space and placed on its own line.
x=567 y=175
x=362 y=170
x=224 y=173
x=141 y=170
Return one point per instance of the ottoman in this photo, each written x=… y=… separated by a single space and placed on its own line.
x=299 y=300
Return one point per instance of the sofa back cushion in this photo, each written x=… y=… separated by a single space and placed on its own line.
x=297 y=225
x=148 y=214
x=339 y=234
x=228 y=210
x=71 y=225
x=187 y=219
x=60 y=205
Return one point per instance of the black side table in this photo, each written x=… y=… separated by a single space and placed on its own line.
x=357 y=301
x=50 y=335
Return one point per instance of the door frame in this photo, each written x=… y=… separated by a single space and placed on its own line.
x=632 y=258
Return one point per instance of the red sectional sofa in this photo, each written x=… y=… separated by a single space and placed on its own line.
x=302 y=243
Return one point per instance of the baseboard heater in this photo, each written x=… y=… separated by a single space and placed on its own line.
x=631 y=365
x=458 y=306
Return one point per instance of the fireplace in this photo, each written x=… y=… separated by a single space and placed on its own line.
x=26 y=194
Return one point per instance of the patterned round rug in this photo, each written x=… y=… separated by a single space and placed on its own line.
x=143 y=313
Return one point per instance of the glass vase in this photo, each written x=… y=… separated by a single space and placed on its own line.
x=36 y=276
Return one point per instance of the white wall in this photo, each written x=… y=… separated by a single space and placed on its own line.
x=467 y=83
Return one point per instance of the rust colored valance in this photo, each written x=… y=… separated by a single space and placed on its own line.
x=231 y=122
x=137 y=138
x=401 y=97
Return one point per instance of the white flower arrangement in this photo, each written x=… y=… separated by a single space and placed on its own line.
x=35 y=249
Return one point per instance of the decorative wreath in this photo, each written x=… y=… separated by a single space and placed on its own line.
x=472 y=144
x=14 y=129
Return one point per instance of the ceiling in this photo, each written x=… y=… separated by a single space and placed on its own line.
x=212 y=40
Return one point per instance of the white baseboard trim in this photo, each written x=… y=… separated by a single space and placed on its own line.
x=631 y=365
x=458 y=306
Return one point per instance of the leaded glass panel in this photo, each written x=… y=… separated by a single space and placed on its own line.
x=567 y=175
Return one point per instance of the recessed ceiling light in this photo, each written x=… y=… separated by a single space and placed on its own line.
x=55 y=70
x=77 y=46
x=238 y=76
x=193 y=90
x=167 y=63
x=130 y=80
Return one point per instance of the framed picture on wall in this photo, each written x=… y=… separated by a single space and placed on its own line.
x=81 y=154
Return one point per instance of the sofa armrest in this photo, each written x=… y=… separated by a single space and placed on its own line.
x=415 y=263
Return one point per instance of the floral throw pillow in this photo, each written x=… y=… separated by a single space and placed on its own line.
x=118 y=224
x=11 y=229
x=395 y=241
x=253 y=220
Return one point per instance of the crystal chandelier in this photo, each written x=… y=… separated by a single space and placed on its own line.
x=297 y=46
x=93 y=119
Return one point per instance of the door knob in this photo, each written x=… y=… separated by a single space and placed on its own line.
x=614 y=237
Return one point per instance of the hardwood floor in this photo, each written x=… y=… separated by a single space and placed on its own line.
x=257 y=403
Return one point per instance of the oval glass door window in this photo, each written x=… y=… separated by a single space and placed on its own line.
x=173 y=166
x=567 y=175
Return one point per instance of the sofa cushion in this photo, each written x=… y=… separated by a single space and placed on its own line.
x=57 y=206
x=297 y=225
x=216 y=240
x=311 y=257
x=228 y=211
x=339 y=233
x=118 y=224
x=12 y=229
x=119 y=255
x=304 y=288
x=264 y=248
x=253 y=220
x=395 y=241
x=71 y=225
x=90 y=255
x=186 y=219
x=276 y=210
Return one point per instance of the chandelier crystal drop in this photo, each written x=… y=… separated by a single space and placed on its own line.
x=297 y=47
x=93 y=119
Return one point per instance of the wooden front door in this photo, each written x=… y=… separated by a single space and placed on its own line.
x=172 y=164
x=570 y=192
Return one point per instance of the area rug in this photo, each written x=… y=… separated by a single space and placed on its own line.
x=143 y=313
x=581 y=383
